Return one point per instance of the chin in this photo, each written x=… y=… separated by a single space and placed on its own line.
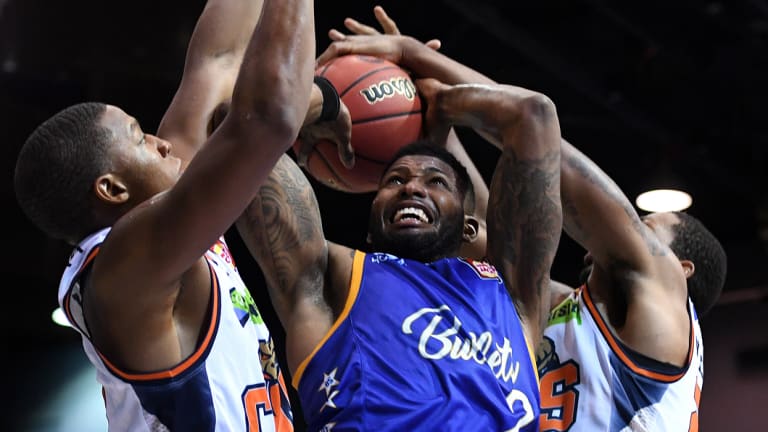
x=424 y=246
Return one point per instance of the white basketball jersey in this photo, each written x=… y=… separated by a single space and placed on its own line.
x=232 y=382
x=591 y=381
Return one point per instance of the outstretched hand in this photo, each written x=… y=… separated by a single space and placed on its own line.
x=366 y=40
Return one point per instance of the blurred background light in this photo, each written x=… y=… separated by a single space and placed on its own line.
x=662 y=200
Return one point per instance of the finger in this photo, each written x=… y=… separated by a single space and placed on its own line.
x=346 y=153
x=387 y=23
x=335 y=49
x=359 y=28
x=336 y=35
x=435 y=44
x=303 y=154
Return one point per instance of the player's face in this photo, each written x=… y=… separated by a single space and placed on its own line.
x=661 y=224
x=144 y=162
x=417 y=212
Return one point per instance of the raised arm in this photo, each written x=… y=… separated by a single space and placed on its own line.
x=213 y=58
x=629 y=260
x=524 y=210
x=151 y=247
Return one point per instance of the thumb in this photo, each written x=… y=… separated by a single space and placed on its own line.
x=435 y=44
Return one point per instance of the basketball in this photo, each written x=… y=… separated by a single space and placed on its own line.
x=386 y=114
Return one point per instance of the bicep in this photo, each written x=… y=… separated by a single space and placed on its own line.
x=283 y=231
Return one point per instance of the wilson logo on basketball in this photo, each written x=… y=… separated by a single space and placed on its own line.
x=386 y=89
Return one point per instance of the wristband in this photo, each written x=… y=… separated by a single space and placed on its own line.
x=331 y=101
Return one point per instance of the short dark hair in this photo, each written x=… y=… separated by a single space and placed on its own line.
x=426 y=148
x=693 y=241
x=56 y=168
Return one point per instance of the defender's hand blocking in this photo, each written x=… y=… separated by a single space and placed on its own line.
x=369 y=41
x=338 y=131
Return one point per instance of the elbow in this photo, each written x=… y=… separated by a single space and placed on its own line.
x=538 y=108
x=532 y=126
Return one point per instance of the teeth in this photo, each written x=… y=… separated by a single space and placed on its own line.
x=411 y=212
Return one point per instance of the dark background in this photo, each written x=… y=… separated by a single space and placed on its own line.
x=658 y=93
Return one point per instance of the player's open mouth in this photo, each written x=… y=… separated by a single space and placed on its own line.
x=411 y=215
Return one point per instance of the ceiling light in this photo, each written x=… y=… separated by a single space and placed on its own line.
x=663 y=200
x=59 y=317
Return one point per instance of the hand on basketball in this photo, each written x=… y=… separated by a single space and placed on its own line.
x=369 y=41
x=338 y=131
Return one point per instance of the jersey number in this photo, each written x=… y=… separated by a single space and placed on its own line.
x=694 y=424
x=264 y=403
x=518 y=401
x=559 y=397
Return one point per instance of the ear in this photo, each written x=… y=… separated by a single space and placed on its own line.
x=688 y=268
x=471 y=229
x=368 y=239
x=111 y=189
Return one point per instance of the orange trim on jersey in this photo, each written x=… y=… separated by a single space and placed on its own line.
x=68 y=297
x=354 y=289
x=533 y=358
x=617 y=349
x=179 y=369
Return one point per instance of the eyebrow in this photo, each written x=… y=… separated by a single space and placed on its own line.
x=427 y=170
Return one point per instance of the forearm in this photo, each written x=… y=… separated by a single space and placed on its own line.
x=492 y=110
x=429 y=63
x=223 y=30
x=456 y=147
x=315 y=106
x=279 y=65
x=596 y=213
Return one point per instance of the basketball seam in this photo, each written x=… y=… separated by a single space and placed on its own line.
x=325 y=68
x=385 y=116
x=332 y=170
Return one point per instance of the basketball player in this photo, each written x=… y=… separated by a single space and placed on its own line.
x=412 y=337
x=176 y=339
x=625 y=351
x=604 y=364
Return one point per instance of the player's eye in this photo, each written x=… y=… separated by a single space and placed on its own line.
x=394 y=180
x=438 y=181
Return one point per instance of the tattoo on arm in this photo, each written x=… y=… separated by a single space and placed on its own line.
x=590 y=173
x=524 y=224
x=282 y=219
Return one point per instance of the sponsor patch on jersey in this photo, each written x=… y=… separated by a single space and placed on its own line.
x=483 y=269
x=565 y=311
x=221 y=249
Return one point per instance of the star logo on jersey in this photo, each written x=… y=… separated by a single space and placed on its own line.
x=329 y=382
x=330 y=402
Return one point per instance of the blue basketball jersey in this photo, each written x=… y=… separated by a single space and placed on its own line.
x=419 y=346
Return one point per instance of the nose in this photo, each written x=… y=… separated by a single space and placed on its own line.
x=413 y=187
x=163 y=146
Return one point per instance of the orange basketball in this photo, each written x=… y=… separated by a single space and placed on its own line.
x=386 y=114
